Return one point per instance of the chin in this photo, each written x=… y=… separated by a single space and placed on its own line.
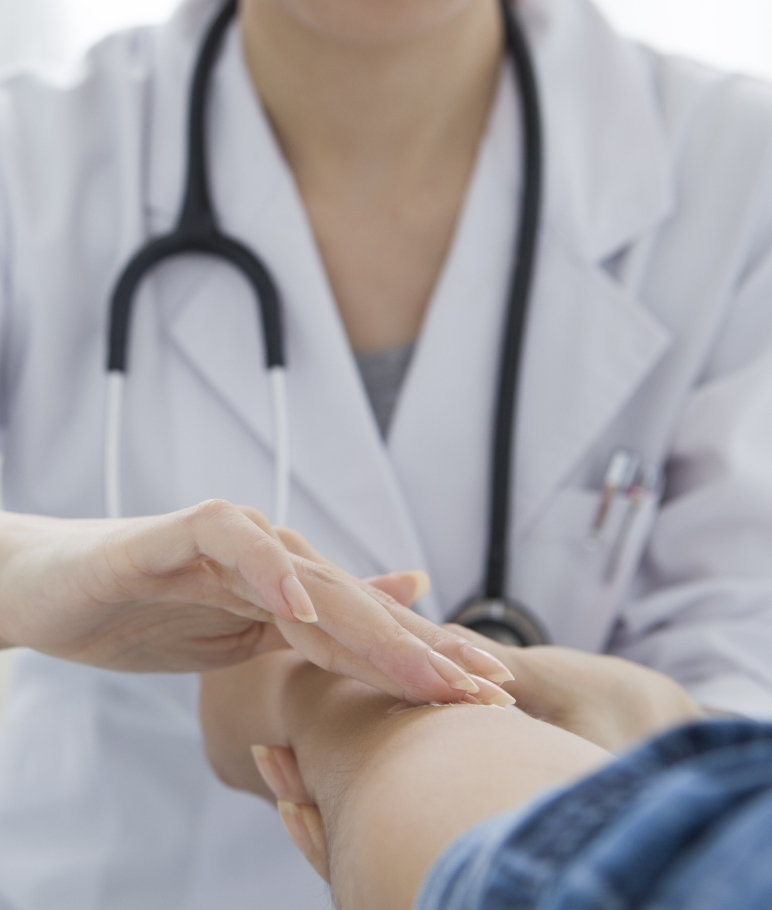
x=373 y=21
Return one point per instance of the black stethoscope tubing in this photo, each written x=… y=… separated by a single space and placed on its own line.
x=197 y=231
x=519 y=295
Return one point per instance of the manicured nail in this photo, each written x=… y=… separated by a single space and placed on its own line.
x=298 y=600
x=481 y=663
x=423 y=584
x=491 y=694
x=310 y=815
x=454 y=676
x=288 y=808
x=270 y=771
x=400 y=707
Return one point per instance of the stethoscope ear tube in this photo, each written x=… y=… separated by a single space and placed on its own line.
x=278 y=380
x=112 y=453
x=197 y=232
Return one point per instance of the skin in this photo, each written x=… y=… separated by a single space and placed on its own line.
x=609 y=701
x=352 y=779
x=381 y=135
x=203 y=588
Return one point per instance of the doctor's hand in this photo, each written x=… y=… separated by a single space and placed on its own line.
x=609 y=701
x=198 y=589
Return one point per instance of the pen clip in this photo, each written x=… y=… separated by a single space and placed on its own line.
x=645 y=483
x=621 y=472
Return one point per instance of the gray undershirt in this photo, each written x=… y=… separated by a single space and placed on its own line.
x=383 y=374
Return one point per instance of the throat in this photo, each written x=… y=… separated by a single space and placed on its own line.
x=382 y=138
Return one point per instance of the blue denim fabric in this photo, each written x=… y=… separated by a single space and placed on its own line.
x=685 y=823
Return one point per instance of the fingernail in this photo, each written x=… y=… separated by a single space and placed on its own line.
x=400 y=707
x=298 y=600
x=288 y=808
x=454 y=676
x=491 y=694
x=481 y=663
x=292 y=819
x=269 y=771
x=423 y=584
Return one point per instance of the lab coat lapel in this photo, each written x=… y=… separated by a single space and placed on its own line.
x=589 y=343
x=338 y=457
x=609 y=183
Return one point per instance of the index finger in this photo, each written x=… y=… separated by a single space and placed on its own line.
x=351 y=615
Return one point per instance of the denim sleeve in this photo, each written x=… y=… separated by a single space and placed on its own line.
x=685 y=823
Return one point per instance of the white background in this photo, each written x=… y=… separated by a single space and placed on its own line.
x=734 y=34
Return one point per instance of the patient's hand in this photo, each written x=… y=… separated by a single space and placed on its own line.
x=612 y=702
x=375 y=797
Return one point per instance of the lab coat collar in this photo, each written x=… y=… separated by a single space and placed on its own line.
x=608 y=172
x=609 y=175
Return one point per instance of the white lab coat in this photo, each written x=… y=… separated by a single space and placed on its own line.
x=650 y=327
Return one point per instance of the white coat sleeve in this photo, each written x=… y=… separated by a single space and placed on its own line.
x=702 y=608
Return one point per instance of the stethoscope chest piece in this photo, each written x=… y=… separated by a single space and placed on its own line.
x=505 y=621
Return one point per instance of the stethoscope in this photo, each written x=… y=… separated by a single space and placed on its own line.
x=197 y=231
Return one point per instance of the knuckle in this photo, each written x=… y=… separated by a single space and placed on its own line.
x=327 y=575
x=256 y=517
x=384 y=599
x=264 y=553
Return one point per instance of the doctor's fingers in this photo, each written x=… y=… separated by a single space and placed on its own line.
x=220 y=532
x=404 y=587
x=473 y=657
x=395 y=592
x=372 y=640
x=325 y=652
x=352 y=616
x=551 y=684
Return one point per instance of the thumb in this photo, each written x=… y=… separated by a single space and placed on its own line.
x=405 y=587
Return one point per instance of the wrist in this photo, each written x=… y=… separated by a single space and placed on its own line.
x=329 y=719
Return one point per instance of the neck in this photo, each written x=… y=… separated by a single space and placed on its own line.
x=352 y=113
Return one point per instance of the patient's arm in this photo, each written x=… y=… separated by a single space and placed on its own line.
x=393 y=789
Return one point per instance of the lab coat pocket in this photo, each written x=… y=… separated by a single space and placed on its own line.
x=573 y=580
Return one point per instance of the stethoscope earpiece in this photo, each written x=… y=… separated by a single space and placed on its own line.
x=505 y=621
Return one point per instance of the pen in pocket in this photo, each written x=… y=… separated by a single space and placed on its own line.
x=636 y=494
x=621 y=472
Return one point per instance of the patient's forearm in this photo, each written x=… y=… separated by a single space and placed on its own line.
x=395 y=790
